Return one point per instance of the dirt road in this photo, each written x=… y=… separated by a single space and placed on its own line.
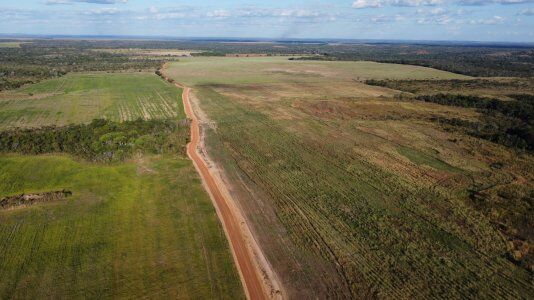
x=249 y=274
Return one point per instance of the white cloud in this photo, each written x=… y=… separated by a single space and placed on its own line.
x=297 y=13
x=359 y=4
x=440 y=16
x=153 y=9
x=103 y=11
x=416 y=2
x=526 y=12
x=491 y=21
x=171 y=15
x=488 y=2
x=58 y=2
x=387 y=19
x=278 y=12
x=220 y=13
x=514 y=1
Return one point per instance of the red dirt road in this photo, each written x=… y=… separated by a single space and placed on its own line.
x=244 y=261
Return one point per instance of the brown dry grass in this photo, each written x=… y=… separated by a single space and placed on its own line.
x=353 y=193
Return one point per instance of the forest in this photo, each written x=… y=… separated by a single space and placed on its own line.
x=33 y=62
x=455 y=85
x=509 y=123
x=472 y=61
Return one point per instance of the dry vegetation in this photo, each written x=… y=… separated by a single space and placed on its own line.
x=353 y=193
x=137 y=53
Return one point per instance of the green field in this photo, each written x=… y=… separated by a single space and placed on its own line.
x=10 y=44
x=79 y=98
x=356 y=194
x=144 y=228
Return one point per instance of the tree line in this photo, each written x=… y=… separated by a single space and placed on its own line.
x=508 y=123
x=101 y=140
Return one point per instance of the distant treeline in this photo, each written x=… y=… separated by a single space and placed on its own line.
x=101 y=140
x=485 y=62
x=509 y=123
x=522 y=108
x=39 y=59
x=33 y=62
x=427 y=85
x=208 y=53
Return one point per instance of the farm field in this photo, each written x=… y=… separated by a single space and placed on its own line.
x=82 y=97
x=243 y=70
x=142 y=226
x=167 y=53
x=145 y=228
x=355 y=192
x=10 y=44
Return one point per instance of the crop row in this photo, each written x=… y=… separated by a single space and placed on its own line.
x=383 y=235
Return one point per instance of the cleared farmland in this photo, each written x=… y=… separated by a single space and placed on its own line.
x=249 y=70
x=79 y=98
x=351 y=192
x=10 y=44
x=143 y=228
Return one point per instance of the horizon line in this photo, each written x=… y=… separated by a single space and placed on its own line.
x=250 y=39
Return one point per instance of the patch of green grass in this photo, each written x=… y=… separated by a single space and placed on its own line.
x=80 y=98
x=139 y=229
x=10 y=44
x=420 y=158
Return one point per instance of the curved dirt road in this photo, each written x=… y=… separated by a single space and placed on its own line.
x=245 y=264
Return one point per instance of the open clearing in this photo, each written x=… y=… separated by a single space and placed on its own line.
x=150 y=52
x=350 y=192
x=242 y=70
x=10 y=44
x=81 y=97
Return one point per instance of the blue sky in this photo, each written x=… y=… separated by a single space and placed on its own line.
x=477 y=20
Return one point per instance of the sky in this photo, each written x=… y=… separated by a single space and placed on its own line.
x=458 y=20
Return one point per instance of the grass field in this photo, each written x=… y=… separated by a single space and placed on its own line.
x=250 y=70
x=10 y=44
x=354 y=193
x=144 y=228
x=79 y=98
